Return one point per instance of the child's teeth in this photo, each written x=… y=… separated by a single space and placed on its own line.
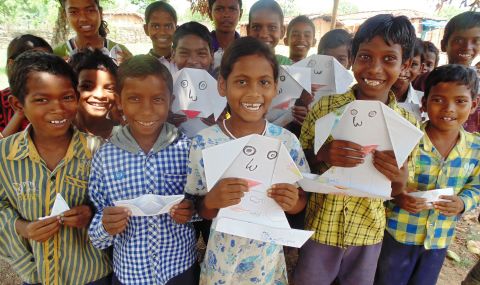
x=146 y=124
x=58 y=122
x=372 y=82
x=252 y=107
x=447 y=119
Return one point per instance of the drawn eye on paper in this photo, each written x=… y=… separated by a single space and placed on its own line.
x=202 y=85
x=272 y=154
x=372 y=114
x=249 y=150
x=311 y=63
x=282 y=78
x=356 y=122
x=185 y=84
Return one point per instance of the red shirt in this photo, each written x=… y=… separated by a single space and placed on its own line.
x=6 y=112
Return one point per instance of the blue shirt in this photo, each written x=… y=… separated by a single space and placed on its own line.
x=151 y=250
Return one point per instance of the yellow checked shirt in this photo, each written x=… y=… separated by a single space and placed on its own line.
x=460 y=170
x=27 y=191
x=342 y=220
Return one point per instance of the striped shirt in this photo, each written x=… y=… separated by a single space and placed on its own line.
x=27 y=191
x=343 y=220
x=460 y=170
x=153 y=249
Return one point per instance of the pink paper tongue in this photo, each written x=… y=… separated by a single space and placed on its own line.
x=282 y=106
x=252 y=183
x=191 y=114
x=369 y=148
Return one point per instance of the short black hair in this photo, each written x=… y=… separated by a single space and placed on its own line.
x=243 y=47
x=393 y=30
x=26 y=42
x=430 y=47
x=417 y=48
x=93 y=59
x=300 y=19
x=192 y=28
x=141 y=66
x=456 y=73
x=271 y=5
x=334 y=39
x=462 y=21
x=160 y=5
x=36 y=61
x=211 y=2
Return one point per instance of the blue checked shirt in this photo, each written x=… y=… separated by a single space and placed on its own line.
x=460 y=170
x=151 y=250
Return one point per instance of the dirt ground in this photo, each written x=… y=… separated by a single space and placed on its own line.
x=452 y=273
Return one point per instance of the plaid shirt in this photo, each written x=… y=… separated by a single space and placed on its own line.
x=151 y=250
x=460 y=170
x=342 y=220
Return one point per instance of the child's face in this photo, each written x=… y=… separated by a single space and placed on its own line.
x=50 y=104
x=145 y=103
x=448 y=106
x=225 y=15
x=249 y=88
x=300 y=40
x=376 y=67
x=194 y=52
x=160 y=29
x=97 y=92
x=428 y=63
x=266 y=26
x=406 y=77
x=462 y=46
x=340 y=53
x=83 y=16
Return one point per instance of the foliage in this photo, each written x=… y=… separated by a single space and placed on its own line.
x=346 y=8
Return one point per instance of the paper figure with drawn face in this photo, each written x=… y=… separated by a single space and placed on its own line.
x=196 y=94
x=328 y=75
x=374 y=126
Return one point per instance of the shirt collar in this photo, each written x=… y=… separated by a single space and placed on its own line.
x=24 y=147
x=159 y=57
x=392 y=101
x=465 y=142
x=215 y=43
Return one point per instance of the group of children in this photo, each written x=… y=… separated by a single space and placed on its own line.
x=97 y=133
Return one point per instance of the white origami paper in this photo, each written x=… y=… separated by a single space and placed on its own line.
x=150 y=204
x=432 y=195
x=375 y=126
x=196 y=94
x=291 y=83
x=262 y=161
x=59 y=206
x=328 y=75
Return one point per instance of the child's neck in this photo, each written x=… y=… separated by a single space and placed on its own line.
x=146 y=143
x=294 y=58
x=96 y=41
x=239 y=128
x=224 y=38
x=51 y=149
x=444 y=141
x=360 y=96
x=165 y=52
x=95 y=126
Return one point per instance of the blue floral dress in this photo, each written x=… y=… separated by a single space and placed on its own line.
x=232 y=259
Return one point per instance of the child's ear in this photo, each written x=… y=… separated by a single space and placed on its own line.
x=210 y=15
x=118 y=102
x=424 y=103
x=286 y=41
x=248 y=29
x=443 y=45
x=15 y=103
x=282 y=29
x=314 y=42
x=145 y=29
x=241 y=14
x=474 y=105
x=222 y=86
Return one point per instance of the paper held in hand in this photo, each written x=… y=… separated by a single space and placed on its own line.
x=150 y=204
x=262 y=161
x=59 y=206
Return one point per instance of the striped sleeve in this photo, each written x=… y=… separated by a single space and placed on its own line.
x=99 y=237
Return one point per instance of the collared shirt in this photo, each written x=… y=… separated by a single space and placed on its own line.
x=154 y=249
x=217 y=49
x=343 y=220
x=460 y=170
x=27 y=191
x=110 y=48
x=6 y=111
x=413 y=103
x=167 y=61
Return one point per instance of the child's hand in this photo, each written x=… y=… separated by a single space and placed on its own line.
x=41 y=230
x=115 y=219
x=305 y=98
x=210 y=121
x=77 y=217
x=286 y=195
x=384 y=161
x=453 y=207
x=299 y=113
x=177 y=119
x=227 y=192
x=410 y=204
x=341 y=153
x=182 y=212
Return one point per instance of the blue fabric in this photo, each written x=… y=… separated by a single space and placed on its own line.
x=402 y=264
x=151 y=250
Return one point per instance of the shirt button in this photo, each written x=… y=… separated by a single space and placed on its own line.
x=50 y=257
x=53 y=178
